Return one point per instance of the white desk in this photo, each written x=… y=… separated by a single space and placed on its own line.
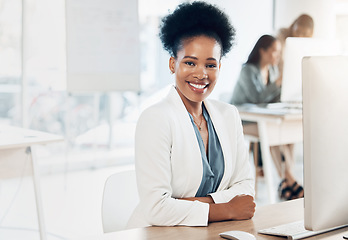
x=19 y=139
x=265 y=217
x=275 y=127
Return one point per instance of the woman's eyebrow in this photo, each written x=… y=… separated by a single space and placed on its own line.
x=210 y=58
x=191 y=57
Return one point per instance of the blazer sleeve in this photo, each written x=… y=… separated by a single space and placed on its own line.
x=153 y=141
x=253 y=89
x=242 y=180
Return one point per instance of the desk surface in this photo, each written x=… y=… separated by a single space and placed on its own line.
x=256 y=113
x=265 y=217
x=14 y=137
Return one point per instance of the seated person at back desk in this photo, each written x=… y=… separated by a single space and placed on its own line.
x=303 y=26
x=260 y=82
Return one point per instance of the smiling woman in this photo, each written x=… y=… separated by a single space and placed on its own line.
x=191 y=162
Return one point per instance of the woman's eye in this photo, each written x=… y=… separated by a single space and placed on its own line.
x=189 y=63
x=211 y=66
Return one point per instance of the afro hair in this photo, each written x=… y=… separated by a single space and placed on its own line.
x=194 y=19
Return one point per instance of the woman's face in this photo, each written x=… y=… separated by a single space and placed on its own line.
x=196 y=68
x=271 y=55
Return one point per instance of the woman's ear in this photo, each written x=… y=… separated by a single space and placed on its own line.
x=172 y=64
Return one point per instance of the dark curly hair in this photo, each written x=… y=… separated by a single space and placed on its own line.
x=195 y=19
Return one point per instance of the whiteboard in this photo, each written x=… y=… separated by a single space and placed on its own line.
x=103 y=52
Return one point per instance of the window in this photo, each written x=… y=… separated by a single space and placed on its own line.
x=10 y=61
x=98 y=127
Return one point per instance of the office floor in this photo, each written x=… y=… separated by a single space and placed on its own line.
x=71 y=201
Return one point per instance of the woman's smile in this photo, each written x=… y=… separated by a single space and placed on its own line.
x=198 y=87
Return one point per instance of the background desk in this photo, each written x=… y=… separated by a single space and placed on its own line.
x=265 y=217
x=14 y=139
x=275 y=127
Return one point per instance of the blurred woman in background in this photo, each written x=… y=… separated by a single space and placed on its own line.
x=260 y=82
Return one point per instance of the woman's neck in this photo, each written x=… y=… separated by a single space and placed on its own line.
x=264 y=66
x=194 y=108
x=264 y=72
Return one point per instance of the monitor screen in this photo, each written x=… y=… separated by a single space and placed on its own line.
x=295 y=49
x=325 y=141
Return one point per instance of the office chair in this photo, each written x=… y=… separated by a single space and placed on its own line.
x=119 y=200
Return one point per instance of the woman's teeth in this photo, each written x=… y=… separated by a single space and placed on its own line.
x=199 y=86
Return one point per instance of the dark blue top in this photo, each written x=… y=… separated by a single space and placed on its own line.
x=213 y=164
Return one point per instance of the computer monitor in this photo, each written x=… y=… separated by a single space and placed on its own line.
x=325 y=141
x=295 y=49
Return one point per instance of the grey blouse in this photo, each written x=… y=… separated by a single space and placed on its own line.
x=250 y=88
x=213 y=163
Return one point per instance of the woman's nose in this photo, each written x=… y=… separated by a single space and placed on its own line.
x=201 y=73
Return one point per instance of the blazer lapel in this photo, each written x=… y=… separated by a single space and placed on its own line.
x=192 y=152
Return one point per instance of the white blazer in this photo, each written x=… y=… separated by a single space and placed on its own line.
x=168 y=163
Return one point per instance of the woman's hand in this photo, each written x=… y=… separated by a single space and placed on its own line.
x=241 y=207
x=279 y=80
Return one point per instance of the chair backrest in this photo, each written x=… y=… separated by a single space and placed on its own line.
x=119 y=200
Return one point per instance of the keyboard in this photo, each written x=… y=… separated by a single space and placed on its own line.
x=292 y=231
